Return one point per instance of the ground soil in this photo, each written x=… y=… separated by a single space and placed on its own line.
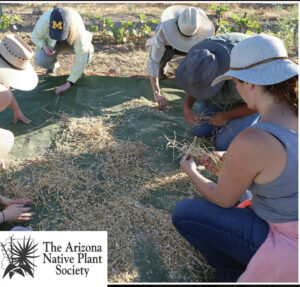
x=130 y=59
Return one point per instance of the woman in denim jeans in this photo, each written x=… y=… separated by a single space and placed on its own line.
x=259 y=244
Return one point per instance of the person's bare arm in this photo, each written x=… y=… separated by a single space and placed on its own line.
x=18 y=114
x=189 y=115
x=5 y=97
x=161 y=100
x=243 y=162
x=222 y=118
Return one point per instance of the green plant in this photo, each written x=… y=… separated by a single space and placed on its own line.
x=107 y=26
x=118 y=34
x=220 y=23
x=94 y=28
x=255 y=26
x=128 y=27
x=6 y=21
x=128 y=31
x=223 y=27
x=245 y=25
x=125 y=32
x=288 y=29
x=108 y=23
x=155 y=21
x=144 y=28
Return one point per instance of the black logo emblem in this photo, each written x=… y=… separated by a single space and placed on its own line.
x=20 y=255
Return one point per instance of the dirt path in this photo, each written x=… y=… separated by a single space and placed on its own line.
x=124 y=60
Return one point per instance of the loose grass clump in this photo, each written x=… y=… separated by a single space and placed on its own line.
x=91 y=180
x=198 y=148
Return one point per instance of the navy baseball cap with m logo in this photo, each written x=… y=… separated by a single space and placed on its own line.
x=59 y=24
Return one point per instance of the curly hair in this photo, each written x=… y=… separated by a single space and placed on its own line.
x=286 y=91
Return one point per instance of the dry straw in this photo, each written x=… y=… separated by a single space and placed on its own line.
x=198 y=148
x=93 y=181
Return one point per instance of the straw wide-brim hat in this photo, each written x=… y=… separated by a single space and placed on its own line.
x=260 y=60
x=15 y=68
x=185 y=26
x=202 y=64
x=6 y=142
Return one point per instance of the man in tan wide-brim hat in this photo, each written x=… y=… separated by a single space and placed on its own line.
x=181 y=27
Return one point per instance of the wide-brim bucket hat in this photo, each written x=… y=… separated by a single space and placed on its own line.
x=15 y=68
x=260 y=60
x=202 y=64
x=185 y=26
x=6 y=142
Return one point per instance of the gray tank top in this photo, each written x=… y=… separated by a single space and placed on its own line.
x=277 y=201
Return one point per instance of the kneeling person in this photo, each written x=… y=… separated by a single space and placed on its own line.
x=180 y=28
x=222 y=112
x=62 y=30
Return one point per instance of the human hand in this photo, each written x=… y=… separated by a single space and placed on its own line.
x=161 y=101
x=187 y=164
x=219 y=119
x=209 y=163
x=18 y=115
x=2 y=163
x=63 y=88
x=191 y=117
x=17 y=212
x=5 y=201
x=48 y=50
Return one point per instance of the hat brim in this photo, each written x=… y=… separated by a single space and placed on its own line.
x=197 y=90
x=200 y=93
x=59 y=35
x=203 y=93
x=6 y=142
x=24 y=80
x=175 y=38
x=265 y=74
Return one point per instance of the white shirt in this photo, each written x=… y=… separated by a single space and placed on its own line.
x=157 y=49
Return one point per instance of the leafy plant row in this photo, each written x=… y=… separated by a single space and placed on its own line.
x=287 y=27
x=7 y=22
x=127 y=31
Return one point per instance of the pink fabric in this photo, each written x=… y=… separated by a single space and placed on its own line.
x=277 y=259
